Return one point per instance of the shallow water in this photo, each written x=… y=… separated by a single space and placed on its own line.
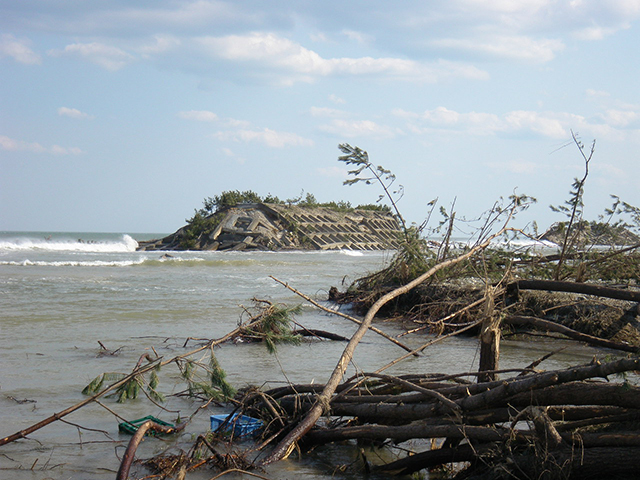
x=60 y=296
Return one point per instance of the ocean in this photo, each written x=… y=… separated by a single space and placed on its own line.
x=63 y=293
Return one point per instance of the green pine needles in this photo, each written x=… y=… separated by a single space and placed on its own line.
x=275 y=324
x=128 y=390
x=206 y=380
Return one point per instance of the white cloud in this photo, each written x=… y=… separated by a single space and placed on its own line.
x=18 y=145
x=276 y=52
x=235 y=123
x=503 y=46
x=555 y=125
x=207 y=116
x=336 y=99
x=58 y=150
x=242 y=131
x=199 y=115
x=160 y=44
x=73 y=113
x=269 y=137
x=13 y=145
x=359 y=128
x=106 y=56
x=612 y=171
x=584 y=19
x=620 y=118
x=595 y=32
x=327 y=112
x=318 y=37
x=444 y=118
x=18 y=50
x=597 y=93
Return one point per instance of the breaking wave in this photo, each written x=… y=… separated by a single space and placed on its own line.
x=352 y=253
x=124 y=244
x=71 y=263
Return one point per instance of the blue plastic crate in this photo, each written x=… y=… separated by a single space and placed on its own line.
x=240 y=425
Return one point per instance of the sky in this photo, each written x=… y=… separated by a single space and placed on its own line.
x=123 y=116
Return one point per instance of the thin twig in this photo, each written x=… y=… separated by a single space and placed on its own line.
x=237 y=470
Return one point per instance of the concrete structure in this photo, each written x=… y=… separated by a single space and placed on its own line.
x=278 y=227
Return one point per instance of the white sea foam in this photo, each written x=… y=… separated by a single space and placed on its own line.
x=70 y=263
x=352 y=253
x=124 y=244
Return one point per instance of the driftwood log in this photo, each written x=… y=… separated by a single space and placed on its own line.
x=578 y=287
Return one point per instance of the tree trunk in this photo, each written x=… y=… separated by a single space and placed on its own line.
x=489 y=339
x=583 y=288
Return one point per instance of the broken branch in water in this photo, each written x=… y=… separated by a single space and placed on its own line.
x=343 y=315
x=67 y=411
x=137 y=371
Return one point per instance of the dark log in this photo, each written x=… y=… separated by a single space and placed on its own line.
x=310 y=332
x=627 y=416
x=393 y=413
x=498 y=394
x=382 y=412
x=618 y=439
x=581 y=393
x=556 y=327
x=429 y=459
x=589 y=463
x=583 y=288
x=412 y=386
x=489 y=341
x=407 y=432
x=536 y=389
x=543 y=425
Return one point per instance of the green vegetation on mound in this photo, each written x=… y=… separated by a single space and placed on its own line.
x=592 y=233
x=206 y=219
x=231 y=198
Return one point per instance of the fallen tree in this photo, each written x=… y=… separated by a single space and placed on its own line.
x=322 y=401
x=526 y=422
